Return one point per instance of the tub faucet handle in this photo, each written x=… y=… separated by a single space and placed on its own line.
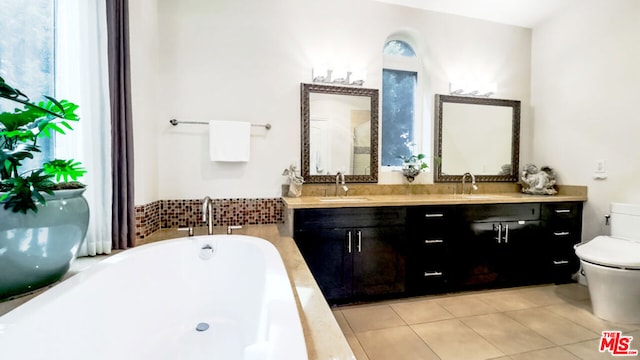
x=230 y=229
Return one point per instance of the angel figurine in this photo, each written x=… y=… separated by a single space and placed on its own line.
x=538 y=182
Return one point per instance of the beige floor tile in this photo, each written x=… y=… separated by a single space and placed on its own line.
x=572 y=291
x=554 y=327
x=542 y=295
x=586 y=318
x=507 y=300
x=588 y=350
x=399 y=343
x=415 y=312
x=507 y=334
x=466 y=305
x=356 y=347
x=365 y=318
x=556 y=353
x=451 y=339
x=342 y=322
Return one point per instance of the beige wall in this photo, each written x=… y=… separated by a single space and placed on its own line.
x=245 y=60
x=585 y=96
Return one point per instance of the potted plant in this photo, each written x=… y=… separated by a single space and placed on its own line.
x=412 y=166
x=43 y=216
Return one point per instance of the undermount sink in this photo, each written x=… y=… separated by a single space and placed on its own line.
x=342 y=199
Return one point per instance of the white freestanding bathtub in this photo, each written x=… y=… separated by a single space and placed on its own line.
x=202 y=297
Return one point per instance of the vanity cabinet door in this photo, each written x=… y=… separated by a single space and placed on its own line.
x=501 y=253
x=379 y=265
x=354 y=253
x=563 y=229
x=328 y=254
x=500 y=245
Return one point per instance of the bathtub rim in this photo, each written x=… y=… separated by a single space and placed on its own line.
x=33 y=306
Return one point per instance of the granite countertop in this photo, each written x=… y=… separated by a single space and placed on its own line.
x=323 y=336
x=574 y=193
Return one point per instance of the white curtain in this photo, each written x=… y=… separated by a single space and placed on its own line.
x=81 y=77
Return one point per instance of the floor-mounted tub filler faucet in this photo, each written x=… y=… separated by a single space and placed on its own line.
x=473 y=182
x=340 y=182
x=207 y=213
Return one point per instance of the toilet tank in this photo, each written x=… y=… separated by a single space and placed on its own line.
x=625 y=220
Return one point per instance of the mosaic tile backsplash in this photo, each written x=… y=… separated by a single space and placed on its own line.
x=165 y=214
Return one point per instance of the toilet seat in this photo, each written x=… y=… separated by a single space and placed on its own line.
x=611 y=251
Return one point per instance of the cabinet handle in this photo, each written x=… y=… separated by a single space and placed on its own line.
x=499 y=233
x=433 y=215
x=433 y=273
x=434 y=241
x=563 y=211
x=561 y=233
x=349 y=245
x=506 y=233
x=560 y=262
x=359 y=241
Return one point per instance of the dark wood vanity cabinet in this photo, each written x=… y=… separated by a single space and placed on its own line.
x=563 y=229
x=430 y=260
x=373 y=252
x=354 y=253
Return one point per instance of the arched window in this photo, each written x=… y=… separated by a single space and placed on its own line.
x=401 y=109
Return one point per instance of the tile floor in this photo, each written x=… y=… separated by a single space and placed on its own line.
x=540 y=322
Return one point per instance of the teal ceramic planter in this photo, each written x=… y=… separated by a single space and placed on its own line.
x=37 y=249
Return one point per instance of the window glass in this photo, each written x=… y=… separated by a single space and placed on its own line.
x=398 y=48
x=398 y=110
x=26 y=52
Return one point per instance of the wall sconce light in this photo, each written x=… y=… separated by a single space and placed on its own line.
x=472 y=89
x=325 y=75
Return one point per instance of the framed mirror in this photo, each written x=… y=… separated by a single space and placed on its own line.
x=476 y=135
x=339 y=133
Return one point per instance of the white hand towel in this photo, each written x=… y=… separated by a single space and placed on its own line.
x=229 y=140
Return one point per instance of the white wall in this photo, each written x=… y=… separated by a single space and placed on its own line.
x=245 y=60
x=144 y=39
x=585 y=97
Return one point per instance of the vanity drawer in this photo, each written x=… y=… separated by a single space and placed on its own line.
x=428 y=277
x=566 y=216
x=501 y=212
x=349 y=217
x=426 y=221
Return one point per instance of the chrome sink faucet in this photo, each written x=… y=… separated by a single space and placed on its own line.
x=473 y=182
x=207 y=213
x=340 y=181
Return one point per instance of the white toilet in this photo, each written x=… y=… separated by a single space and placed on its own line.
x=612 y=267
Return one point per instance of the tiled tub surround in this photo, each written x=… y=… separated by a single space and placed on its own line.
x=165 y=214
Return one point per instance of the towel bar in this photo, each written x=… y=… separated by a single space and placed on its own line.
x=175 y=122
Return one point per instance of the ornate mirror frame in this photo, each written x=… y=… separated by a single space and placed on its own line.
x=305 y=90
x=515 y=137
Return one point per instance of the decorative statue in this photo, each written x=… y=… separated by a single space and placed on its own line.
x=538 y=182
x=295 y=181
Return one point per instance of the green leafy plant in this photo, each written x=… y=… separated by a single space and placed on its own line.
x=413 y=165
x=20 y=130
